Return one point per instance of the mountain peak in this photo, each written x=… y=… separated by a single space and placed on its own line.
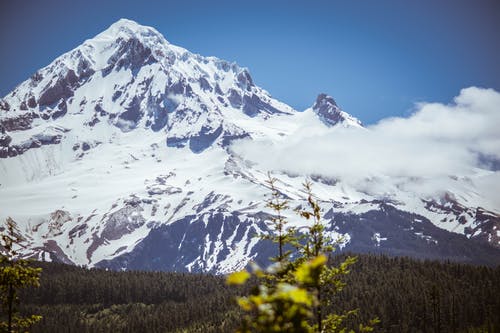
x=324 y=99
x=130 y=77
x=125 y=28
x=330 y=113
x=126 y=23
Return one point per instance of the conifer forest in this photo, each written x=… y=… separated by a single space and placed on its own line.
x=406 y=295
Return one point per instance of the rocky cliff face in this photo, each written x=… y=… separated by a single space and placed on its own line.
x=328 y=111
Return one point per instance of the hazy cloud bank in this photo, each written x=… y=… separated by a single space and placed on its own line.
x=437 y=141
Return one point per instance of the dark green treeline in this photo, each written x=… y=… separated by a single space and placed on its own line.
x=405 y=294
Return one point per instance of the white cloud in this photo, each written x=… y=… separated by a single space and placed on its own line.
x=437 y=141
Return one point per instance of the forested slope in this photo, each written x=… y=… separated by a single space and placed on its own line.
x=407 y=295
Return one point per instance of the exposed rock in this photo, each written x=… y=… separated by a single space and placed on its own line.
x=5 y=140
x=85 y=146
x=180 y=87
x=204 y=138
x=62 y=89
x=252 y=105
x=176 y=142
x=131 y=116
x=78 y=231
x=116 y=95
x=99 y=110
x=19 y=123
x=4 y=105
x=168 y=190
x=48 y=137
x=218 y=90
x=12 y=152
x=245 y=81
x=54 y=252
x=486 y=223
x=407 y=234
x=205 y=85
x=228 y=137
x=235 y=99
x=37 y=77
x=123 y=221
x=157 y=112
x=132 y=54
x=32 y=102
x=57 y=220
x=189 y=245
x=328 y=111
x=62 y=109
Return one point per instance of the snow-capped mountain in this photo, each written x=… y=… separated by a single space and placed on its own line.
x=120 y=154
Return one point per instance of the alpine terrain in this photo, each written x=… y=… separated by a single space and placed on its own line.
x=123 y=153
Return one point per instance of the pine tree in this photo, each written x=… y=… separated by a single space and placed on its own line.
x=281 y=234
x=329 y=280
x=294 y=302
x=14 y=275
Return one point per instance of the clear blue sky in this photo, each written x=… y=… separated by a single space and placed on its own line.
x=376 y=58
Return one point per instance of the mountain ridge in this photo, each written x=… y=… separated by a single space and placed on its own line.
x=126 y=147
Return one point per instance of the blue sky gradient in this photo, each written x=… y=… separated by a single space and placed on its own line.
x=376 y=58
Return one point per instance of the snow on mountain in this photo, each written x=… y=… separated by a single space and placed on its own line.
x=119 y=154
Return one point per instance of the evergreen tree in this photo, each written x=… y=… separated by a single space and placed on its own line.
x=294 y=302
x=281 y=234
x=14 y=275
x=329 y=280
